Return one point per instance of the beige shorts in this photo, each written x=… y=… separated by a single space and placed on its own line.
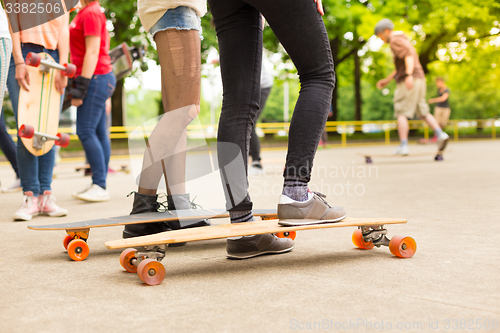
x=407 y=102
x=442 y=115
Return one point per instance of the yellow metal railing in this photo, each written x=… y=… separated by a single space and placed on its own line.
x=344 y=128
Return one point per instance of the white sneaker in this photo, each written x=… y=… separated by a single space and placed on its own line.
x=95 y=193
x=47 y=205
x=16 y=187
x=255 y=169
x=442 y=141
x=28 y=209
x=402 y=150
x=76 y=194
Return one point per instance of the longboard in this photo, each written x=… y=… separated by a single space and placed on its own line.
x=80 y=230
x=142 y=254
x=39 y=108
x=438 y=156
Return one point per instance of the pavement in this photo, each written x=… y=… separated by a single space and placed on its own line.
x=452 y=284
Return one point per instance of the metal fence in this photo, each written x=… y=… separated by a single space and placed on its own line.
x=344 y=128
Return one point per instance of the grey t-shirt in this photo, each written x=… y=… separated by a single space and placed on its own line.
x=444 y=104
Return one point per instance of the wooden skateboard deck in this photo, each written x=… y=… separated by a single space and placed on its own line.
x=142 y=254
x=118 y=167
x=80 y=230
x=40 y=107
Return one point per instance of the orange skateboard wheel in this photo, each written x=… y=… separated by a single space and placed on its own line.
x=151 y=272
x=359 y=242
x=287 y=234
x=403 y=247
x=126 y=260
x=33 y=59
x=66 y=241
x=78 y=250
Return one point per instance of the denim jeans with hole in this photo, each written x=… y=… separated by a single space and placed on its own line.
x=35 y=171
x=91 y=126
x=300 y=29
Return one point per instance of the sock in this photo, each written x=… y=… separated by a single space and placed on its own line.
x=241 y=216
x=437 y=132
x=404 y=142
x=295 y=188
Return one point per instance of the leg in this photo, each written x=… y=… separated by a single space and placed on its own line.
x=8 y=146
x=403 y=128
x=254 y=138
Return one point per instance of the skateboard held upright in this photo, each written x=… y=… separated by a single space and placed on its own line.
x=39 y=108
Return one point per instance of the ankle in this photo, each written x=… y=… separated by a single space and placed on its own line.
x=241 y=216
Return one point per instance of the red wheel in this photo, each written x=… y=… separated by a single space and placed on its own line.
x=403 y=247
x=26 y=131
x=78 y=250
x=33 y=59
x=126 y=260
x=287 y=234
x=70 y=70
x=151 y=272
x=359 y=242
x=63 y=140
x=66 y=241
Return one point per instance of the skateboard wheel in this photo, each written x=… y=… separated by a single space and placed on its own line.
x=403 y=247
x=63 y=140
x=151 y=272
x=126 y=260
x=26 y=131
x=70 y=70
x=78 y=250
x=66 y=241
x=287 y=234
x=438 y=157
x=33 y=59
x=368 y=160
x=359 y=241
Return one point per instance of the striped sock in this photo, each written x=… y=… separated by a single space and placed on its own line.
x=295 y=188
x=241 y=216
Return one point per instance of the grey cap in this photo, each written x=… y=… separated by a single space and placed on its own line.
x=382 y=25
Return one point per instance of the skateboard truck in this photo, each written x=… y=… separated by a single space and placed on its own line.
x=39 y=139
x=375 y=235
x=35 y=60
x=366 y=237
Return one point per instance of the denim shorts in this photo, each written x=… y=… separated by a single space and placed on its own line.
x=180 y=18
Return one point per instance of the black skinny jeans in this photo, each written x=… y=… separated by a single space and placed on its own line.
x=300 y=29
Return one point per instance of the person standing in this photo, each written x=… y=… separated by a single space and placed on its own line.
x=93 y=86
x=442 y=109
x=300 y=30
x=175 y=26
x=411 y=86
x=266 y=83
x=6 y=143
x=36 y=171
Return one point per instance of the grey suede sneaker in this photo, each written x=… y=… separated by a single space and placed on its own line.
x=291 y=212
x=252 y=246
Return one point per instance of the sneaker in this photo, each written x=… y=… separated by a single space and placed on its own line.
x=95 y=194
x=252 y=246
x=442 y=141
x=291 y=212
x=76 y=194
x=16 y=187
x=402 y=150
x=28 y=209
x=47 y=205
x=255 y=169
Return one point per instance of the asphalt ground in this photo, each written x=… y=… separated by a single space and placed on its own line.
x=452 y=283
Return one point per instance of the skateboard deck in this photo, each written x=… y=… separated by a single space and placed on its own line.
x=142 y=254
x=115 y=168
x=438 y=156
x=39 y=108
x=80 y=230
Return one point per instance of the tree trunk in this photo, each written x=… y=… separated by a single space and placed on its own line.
x=334 y=46
x=118 y=105
x=357 y=86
